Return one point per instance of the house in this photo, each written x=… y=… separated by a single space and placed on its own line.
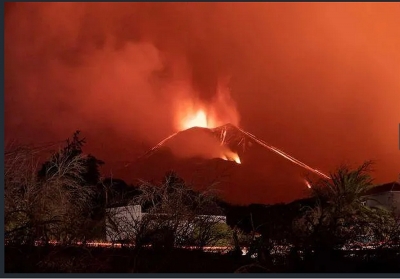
x=386 y=195
x=120 y=221
x=123 y=222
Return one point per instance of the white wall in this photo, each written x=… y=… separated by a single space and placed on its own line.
x=388 y=200
x=121 y=220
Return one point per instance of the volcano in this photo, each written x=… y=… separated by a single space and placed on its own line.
x=205 y=158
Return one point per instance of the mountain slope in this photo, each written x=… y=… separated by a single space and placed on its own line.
x=265 y=175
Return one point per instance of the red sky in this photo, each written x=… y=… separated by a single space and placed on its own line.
x=320 y=81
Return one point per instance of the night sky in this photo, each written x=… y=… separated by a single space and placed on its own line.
x=320 y=81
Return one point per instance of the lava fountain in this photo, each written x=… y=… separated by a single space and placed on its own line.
x=196 y=119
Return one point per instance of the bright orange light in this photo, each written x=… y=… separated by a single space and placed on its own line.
x=308 y=184
x=231 y=156
x=189 y=116
x=192 y=112
x=237 y=159
x=198 y=119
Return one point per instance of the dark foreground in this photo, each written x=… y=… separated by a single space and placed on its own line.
x=105 y=260
x=79 y=259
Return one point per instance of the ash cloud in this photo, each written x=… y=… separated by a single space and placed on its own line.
x=319 y=80
x=65 y=69
x=111 y=70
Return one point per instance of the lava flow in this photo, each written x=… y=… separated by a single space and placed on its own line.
x=231 y=156
x=285 y=155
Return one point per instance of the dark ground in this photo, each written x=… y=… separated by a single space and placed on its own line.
x=78 y=259
x=93 y=260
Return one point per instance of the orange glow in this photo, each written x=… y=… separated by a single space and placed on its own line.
x=231 y=156
x=192 y=112
x=221 y=111
x=308 y=184
x=237 y=159
x=198 y=115
x=130 y=74
x=196 y=119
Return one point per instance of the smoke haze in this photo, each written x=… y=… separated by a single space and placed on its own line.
x=320 y=81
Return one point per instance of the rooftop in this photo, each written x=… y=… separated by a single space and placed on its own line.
x=387 y=187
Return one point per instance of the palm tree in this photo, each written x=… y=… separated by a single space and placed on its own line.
x=341 y=215
x=344 y=194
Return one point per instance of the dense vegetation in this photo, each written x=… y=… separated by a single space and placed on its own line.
x=65 y=201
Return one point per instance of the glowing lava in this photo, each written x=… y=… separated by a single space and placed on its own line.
x=231 y=156
x=190 y=115
x=198 y=119
x=193 y=112
x=237 y=159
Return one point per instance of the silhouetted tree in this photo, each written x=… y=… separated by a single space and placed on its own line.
x=52 y=207
x=276 y=231
x=72 y=149
x=173 y=205
x=340 y=215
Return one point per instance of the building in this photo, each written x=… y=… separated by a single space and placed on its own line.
x=123 y=222
x=386 y=195
x=120 y=221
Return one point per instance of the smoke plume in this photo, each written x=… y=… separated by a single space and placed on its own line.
x=318 y=80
